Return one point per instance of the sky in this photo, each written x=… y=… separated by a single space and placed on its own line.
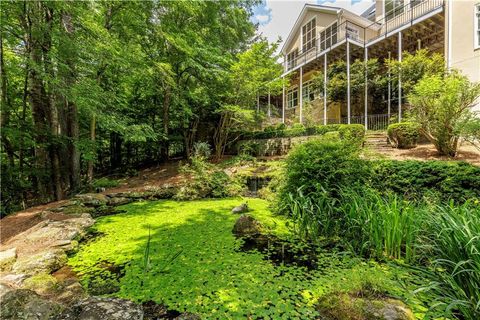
x=277 y=17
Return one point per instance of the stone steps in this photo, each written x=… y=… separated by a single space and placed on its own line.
x=378 y=141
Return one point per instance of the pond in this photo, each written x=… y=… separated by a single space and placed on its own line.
x=184 y=256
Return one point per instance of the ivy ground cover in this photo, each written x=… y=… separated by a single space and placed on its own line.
x=184 y=255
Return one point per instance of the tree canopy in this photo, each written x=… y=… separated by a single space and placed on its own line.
x=92 y=87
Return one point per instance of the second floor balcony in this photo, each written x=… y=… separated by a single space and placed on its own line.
x=337 y=33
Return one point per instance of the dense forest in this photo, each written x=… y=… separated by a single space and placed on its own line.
x=90 y=88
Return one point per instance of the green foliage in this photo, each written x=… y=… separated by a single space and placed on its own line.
x=124 y=79
x=255 y=72
x=403 y=135
x=249 y=148
x=337 y=79
x=414 y=67
x=321 y=169
x=441 y=105
x=211 y=276
x=453 y=241
x=347 y=131
x=204 y=180
x=202 y=149
x=105 y=183
x=416 y=180
x=471 y=131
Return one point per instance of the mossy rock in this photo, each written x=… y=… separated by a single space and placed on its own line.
x=42 y=284
x=246 y=226
x=343 y=306
x=26 y=304
x=7 y=259
x=43 y=262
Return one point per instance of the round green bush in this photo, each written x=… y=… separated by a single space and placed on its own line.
x=403 y=135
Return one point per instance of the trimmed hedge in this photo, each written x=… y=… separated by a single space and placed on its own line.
x=356 y=131
x=403 y=135
x=458 y=181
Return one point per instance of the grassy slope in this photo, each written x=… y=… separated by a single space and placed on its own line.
x=210 y=277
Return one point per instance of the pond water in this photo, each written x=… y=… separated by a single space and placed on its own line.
x=183 y=257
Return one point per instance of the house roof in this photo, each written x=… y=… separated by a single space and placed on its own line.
x=307 y=7
x=369 y=12
x=362 y=21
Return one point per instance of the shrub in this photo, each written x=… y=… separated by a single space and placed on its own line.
x=204 y=180
x=202 y=149
x=321 y=167
x=105 y=183
x=458 y=181
x=440 y=105
x=298 y=130
x=249 y=148
x=403 y=135
x=354 y=133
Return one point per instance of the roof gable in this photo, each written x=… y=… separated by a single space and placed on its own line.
x=303 y=13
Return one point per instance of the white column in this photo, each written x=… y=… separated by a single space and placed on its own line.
x=283 y=104
x=300 y=99
x=348 y=82
x=366 y=89
x=325 y=89
x=268 y=110
x=400 y=78
x=389 y=104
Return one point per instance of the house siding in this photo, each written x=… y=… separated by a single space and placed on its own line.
x=463 y=55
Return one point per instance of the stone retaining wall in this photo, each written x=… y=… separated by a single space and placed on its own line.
x=271 y=147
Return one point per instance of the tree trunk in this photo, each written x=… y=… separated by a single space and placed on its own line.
x=115 y=150
x=92 y=139
x=71 y=108
x=166 y=109
x=36 y=97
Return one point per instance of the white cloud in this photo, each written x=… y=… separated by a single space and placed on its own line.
x=284 y=14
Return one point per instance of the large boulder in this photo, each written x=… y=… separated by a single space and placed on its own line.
x=43 y=284
x=343 y=306
x=118 y=201
x=7 y=259
x=4 y=289
x=246 y=226
x=92 y=199
x=25 y=304
x=52 y=234
x=96 y=308
x=42 y=262
x=241 y=208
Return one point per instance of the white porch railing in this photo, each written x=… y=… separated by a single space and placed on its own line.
x=399 y=18
x=374 y=121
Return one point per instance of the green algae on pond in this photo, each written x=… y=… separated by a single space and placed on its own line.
x=195 y=263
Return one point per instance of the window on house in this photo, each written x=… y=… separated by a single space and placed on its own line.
x=308 y=91
x=328 y=36
x=308 y=35
x=292 y=98
x=393 y=8
x=352 y=33
x=292 y=59
x=477 y=26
